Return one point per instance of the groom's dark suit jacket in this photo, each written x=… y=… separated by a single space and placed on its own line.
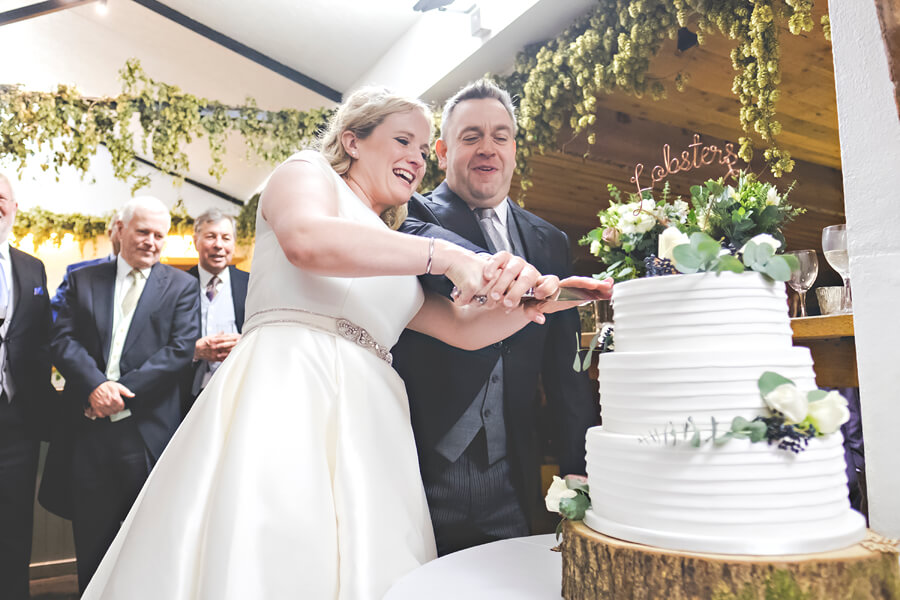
x=158 y=350
x=442 y=380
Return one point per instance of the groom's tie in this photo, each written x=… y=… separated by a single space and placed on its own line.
x=489 y=222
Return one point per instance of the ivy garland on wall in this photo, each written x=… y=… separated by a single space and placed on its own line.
x=558 y=83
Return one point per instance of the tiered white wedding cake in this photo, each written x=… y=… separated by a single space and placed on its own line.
x=693 y=347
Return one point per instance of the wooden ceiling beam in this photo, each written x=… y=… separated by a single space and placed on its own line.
x=39 y=9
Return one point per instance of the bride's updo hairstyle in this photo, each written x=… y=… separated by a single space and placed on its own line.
x=363 y=111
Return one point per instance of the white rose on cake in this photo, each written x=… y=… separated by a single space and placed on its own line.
x=763 y=238
x=829 y=413
x=789 y=401
x=556 y=492
x=670 y=238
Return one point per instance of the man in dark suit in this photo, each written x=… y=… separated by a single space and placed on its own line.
x=223 y=290
x=24 y=394
x=474 y=413
x=123 y=341
x=59 y=296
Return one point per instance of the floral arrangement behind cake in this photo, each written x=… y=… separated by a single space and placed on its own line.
x=636 y=230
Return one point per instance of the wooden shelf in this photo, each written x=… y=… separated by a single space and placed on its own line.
x=830 y=340
x=822 y=328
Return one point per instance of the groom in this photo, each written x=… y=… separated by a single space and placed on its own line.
x=475 y=413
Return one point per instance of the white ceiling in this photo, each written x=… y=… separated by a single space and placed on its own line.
x=339 y=43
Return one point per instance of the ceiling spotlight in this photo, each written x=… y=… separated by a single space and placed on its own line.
x=426 y=5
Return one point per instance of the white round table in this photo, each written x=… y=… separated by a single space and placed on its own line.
x=516 y=569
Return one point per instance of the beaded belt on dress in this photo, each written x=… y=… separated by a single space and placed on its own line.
x=328 y=324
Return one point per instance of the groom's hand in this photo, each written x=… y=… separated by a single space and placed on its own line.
x=517 y=277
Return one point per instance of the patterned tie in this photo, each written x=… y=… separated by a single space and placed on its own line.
x=211 y=290
x=488 y=219
x=133 y=293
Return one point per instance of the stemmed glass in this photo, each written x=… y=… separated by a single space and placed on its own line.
x=834 y=244
x=803 y=278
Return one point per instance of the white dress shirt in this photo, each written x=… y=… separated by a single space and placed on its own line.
x=5 y=378
x=216 y=316
x=122 y=322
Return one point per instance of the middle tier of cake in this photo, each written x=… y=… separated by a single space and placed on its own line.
x=643 y=392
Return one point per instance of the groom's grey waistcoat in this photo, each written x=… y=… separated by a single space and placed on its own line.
x=486 y=409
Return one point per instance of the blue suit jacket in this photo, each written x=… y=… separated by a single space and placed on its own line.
x=442 y=380
x=158 y=349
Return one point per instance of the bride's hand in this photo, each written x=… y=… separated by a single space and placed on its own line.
x=471 y=274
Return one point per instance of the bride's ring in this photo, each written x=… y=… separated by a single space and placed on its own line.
x=480 y=299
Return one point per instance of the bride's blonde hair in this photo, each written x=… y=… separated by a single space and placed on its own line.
x=363 y=111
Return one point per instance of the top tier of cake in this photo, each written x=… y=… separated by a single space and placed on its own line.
x=703 y=311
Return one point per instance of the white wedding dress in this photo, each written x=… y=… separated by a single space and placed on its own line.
x=295 y=473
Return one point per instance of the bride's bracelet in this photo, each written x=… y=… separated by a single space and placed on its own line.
x=430 y=256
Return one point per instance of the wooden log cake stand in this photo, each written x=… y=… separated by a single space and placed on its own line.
x=597 y=567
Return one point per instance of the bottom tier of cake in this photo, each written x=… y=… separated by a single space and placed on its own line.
x=735 y=498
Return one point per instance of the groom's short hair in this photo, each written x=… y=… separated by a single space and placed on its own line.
x=478 y=90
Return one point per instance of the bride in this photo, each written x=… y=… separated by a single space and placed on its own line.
x=295 y=474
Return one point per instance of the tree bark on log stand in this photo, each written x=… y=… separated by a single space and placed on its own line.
x=597 y=567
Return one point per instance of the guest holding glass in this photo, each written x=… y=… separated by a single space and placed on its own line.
x=223 y=291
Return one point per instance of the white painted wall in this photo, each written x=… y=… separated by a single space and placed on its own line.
x=72 y=194
x=870 y=156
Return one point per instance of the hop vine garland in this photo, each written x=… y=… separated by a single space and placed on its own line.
x=558 y=83
x=43 y=224
x=611 y=49
x=72 y=127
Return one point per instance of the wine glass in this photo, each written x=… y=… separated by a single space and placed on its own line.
x=803 y=278
x=834 y=244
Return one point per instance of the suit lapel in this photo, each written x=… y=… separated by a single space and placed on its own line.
x=18 y=278
x=103 y=293
x=153 y=289
x=454 y=214
x=238 y=294
x=532 y=236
